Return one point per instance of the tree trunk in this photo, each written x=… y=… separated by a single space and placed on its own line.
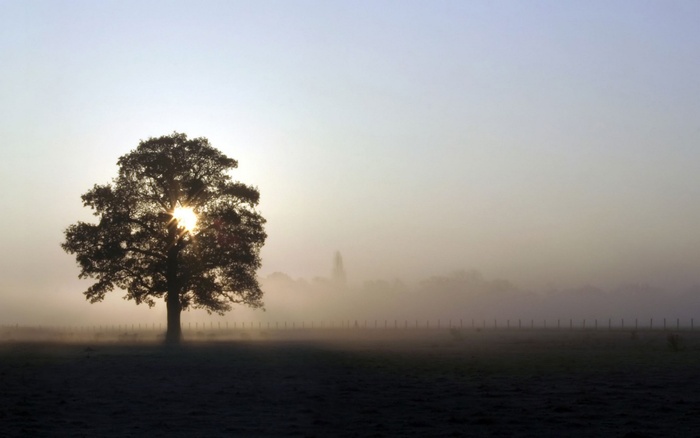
x=174 y=332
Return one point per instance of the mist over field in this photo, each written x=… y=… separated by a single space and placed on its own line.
x=466 y=296
x=469 y=299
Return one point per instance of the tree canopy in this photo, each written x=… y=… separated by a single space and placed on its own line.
x=143 y=246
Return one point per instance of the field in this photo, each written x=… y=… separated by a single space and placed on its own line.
x=525 y=383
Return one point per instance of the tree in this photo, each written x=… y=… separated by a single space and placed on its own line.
x=172 y=225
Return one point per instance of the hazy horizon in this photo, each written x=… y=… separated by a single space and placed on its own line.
x=550 y=144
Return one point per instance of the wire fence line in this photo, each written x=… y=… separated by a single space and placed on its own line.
x=385 y=324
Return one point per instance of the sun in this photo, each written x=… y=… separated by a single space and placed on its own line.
x=186 y=218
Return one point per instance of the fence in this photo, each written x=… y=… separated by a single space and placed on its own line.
x=386 y=324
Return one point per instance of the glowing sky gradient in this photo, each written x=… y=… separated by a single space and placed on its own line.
x=550 y=143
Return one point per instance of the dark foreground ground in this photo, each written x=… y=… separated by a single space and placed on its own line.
x=439 y=383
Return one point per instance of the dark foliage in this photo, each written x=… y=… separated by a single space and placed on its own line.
x=139 y=247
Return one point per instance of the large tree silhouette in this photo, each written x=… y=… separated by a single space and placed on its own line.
x=146 y=241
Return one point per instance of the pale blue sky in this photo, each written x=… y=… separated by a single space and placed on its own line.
x=547 y=142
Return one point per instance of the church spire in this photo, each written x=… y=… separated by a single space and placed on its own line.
x=338 y=269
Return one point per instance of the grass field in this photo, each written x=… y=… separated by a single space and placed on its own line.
x=354 y=383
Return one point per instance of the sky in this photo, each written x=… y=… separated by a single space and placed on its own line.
x=553 y=144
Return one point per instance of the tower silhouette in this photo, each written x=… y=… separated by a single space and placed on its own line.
x=338 y=269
